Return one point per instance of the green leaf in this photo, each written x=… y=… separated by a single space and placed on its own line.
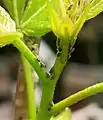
x=65 y=115
x=32 y=7
x=8 y=4
x=7 y=29
x=6 y=23
x=8 y=38
x=33 y=20
x=36 y=18
x=95 y=9
x=15 y=8
x=20 y=7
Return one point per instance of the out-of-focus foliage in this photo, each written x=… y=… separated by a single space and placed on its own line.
x=65 y=115
x=9 y=6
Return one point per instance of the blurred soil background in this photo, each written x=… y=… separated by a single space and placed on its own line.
x=85 y=68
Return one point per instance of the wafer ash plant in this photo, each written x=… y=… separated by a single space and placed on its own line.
x=22 y=20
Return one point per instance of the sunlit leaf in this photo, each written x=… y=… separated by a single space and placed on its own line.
x=7 y=28
x=95 y=9
x=68 y=18
x=36 y=18
x=32 y=7
x=8 y=38
x=65 y=115
x=37 y=26
x=6 y=23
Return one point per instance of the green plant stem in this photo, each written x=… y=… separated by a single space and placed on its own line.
x=48 y=90
x=61 y=59
x=29 y=89
x=46 y=100
x=32 y=60
x=92 y=90
x=47 y=84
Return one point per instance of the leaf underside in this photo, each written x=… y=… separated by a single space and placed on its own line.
x=96 y=8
